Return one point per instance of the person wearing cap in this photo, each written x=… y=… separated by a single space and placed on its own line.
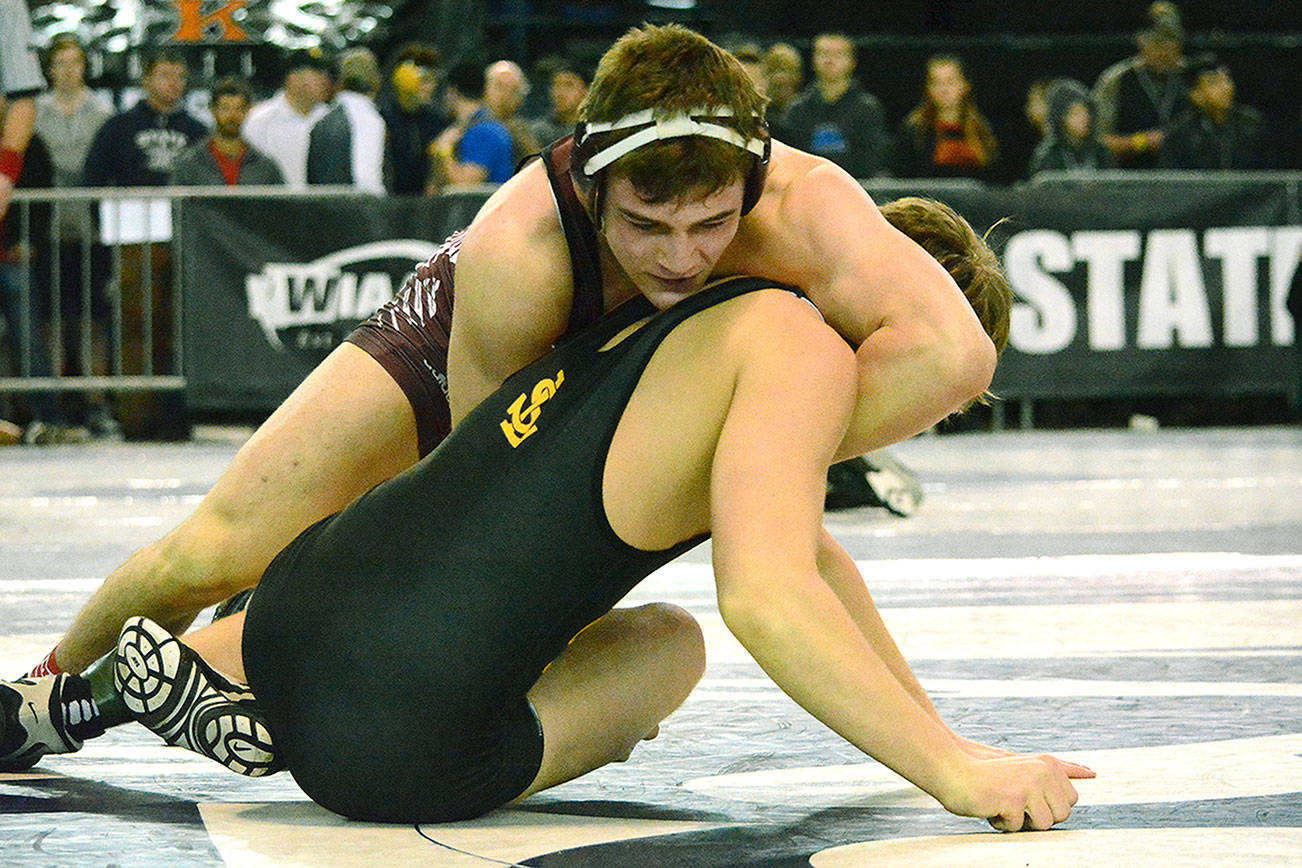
x=279 y=126
x=670 y=183
x=1137 y=98
x=410 y=116
x=1216 y=131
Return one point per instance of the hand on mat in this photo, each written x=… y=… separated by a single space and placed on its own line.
x=1016 y=792
x=984 y=751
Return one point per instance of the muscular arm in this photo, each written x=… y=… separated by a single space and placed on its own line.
x=922 y=353
x=513 y=291
x=766 y=505
x=838 y=570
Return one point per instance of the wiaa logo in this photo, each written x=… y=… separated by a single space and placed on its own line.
x=313 y=305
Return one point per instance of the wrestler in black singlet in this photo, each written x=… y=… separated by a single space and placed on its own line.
x=408 y=336
x=392 y=644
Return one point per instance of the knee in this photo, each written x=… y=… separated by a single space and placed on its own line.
x=677 y=638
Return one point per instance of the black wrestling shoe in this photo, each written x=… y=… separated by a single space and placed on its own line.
x=40 y=716
x=877 y=480
x=167 y=687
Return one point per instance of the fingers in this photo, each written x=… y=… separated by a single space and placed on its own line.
x=1039 y=815
x=1072 y=770
x=1076 y=770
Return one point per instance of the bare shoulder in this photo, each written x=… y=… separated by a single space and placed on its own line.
x=519 y=215
x=515 y=243
x=781 y=334
x=815 y=196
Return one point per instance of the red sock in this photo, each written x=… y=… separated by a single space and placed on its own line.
x=48 y=666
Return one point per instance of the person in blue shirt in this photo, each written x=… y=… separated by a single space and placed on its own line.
x=476 y=149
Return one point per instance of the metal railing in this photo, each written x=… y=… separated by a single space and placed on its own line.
x=94 y=287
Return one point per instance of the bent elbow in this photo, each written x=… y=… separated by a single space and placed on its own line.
x=963 y=365
x=979 y=358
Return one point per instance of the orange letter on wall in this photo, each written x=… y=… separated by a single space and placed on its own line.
x=194 y=23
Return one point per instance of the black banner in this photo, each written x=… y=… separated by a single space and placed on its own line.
x=271 y=286
x=1125 y=286
x=1147 y=286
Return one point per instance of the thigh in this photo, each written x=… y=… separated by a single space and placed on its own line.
x=345 y=429
x=617 y=680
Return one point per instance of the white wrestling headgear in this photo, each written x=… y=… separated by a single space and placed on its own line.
x=588 y=160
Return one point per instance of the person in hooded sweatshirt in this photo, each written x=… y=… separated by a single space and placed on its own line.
x=1073 y=142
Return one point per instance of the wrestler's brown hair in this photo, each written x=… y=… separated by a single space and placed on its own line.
x=952 y=242
x=672 y=69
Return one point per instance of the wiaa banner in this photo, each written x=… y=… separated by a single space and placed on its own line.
x=1124 y=287
x=271 y=286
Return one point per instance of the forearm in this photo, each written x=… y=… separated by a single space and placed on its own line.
x=910 y=379
x=811 y=647
x=842 y=576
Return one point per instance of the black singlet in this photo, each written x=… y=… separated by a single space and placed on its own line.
x=393 y=643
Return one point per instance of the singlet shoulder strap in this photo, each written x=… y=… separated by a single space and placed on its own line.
x=580 y=238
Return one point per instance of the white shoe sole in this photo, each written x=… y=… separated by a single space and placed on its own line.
x=167 y=688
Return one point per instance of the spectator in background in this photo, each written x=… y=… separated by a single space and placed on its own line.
x=67 y=119
x=137 y=148
x=835 y=117
x=70 y=114
x=1215 y=132
x=1072 y=143
x=1037 y=107
x=749 y=56
x=346 y=146
x=25 y=306
x=20 y=81
x=279 y=126
x=784 y=75
x=945 y=135
x=568 y=89
x=411 y=118
x=224 y=157
x=1138 y=97
x=505 y=88
x=476 y=149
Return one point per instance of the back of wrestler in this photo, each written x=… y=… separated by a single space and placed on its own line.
x=425 y=611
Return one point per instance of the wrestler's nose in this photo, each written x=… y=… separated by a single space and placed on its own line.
x=681 y=256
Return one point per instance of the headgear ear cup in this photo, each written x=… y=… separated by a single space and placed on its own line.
x=759 y=171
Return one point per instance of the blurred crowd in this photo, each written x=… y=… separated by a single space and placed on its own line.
x=413 y=126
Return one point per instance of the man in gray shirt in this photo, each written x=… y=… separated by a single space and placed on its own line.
x=224 y=158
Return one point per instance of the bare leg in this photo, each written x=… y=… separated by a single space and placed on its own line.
x=346 y=428
x=617 y=680
x=219 y=644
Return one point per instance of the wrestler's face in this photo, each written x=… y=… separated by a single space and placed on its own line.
x=668 y=249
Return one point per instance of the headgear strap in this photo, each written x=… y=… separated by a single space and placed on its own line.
x=661 y=128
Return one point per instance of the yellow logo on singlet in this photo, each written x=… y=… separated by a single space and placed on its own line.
x=522 y=421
